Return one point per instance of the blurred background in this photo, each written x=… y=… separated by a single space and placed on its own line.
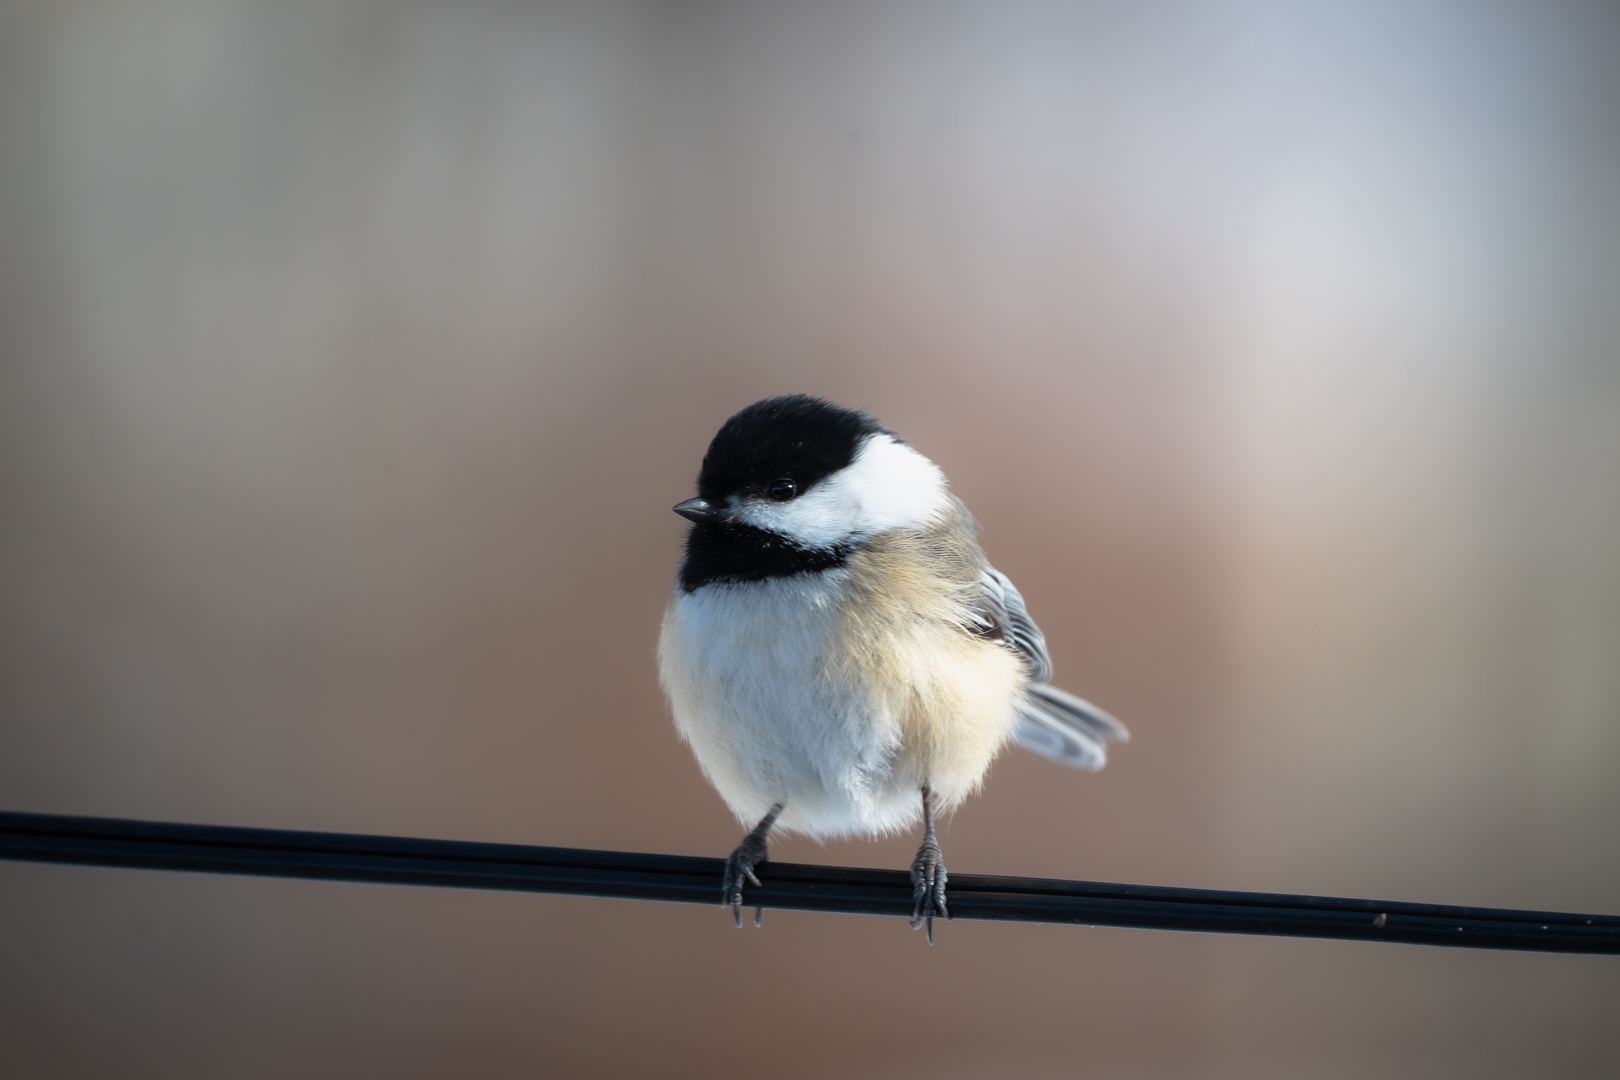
x=352 y=355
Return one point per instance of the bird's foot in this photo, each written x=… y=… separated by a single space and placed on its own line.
x=740 y=868
x=928 y=878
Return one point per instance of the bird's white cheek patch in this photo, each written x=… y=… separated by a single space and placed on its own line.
x=888 y=486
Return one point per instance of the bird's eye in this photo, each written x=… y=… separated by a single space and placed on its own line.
x=782 y=490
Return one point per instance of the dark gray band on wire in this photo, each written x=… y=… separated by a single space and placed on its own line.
x=219 y=849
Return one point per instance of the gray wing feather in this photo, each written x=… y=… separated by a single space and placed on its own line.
x=1051 y=722
x=1005 y=608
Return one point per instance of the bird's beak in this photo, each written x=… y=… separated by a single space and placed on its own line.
x=697 y=510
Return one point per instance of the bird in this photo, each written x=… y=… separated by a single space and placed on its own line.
x=837 y=651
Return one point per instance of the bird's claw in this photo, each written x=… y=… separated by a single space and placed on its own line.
x=740 y=869
x=928 y=879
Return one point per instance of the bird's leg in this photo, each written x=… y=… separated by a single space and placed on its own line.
x=928 y=874
x=740 y=867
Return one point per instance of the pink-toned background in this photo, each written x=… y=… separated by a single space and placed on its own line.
x=351 y=355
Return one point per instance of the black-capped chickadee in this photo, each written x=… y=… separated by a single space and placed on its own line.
x=838 y=652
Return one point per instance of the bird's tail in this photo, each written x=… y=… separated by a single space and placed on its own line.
x=1065 y=728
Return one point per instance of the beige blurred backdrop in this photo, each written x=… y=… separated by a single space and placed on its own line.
x=353 y=354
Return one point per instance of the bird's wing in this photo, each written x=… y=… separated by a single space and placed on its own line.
x=1051 y=722
x=1003 y=611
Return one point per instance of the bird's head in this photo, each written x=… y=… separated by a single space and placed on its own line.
x=818 y=475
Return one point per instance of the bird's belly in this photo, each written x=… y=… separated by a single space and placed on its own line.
x=774 y=712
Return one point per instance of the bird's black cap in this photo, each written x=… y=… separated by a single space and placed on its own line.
x=795 y=436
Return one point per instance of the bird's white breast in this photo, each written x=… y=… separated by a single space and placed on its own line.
x=811 y=690
x=746 y=667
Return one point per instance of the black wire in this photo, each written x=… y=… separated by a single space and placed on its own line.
x=402 y=861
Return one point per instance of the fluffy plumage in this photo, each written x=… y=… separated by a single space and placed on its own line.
x=837 y=641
